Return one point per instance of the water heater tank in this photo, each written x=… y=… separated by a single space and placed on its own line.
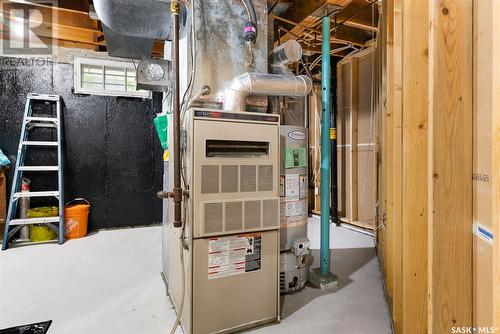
x=294 y=255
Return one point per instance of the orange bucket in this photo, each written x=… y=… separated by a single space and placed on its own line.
x=76 y=218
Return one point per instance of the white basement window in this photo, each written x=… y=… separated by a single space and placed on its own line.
x=106 y=77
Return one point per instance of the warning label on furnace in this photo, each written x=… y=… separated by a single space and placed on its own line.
x=233 y=255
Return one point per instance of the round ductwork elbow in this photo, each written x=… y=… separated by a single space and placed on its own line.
x=263 y=84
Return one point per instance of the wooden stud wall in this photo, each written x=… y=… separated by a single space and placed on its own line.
x=427 y=152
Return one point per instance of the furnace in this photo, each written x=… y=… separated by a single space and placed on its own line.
x=230 y=239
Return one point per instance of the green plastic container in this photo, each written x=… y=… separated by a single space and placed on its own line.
x=40 y=232
x=161 y=125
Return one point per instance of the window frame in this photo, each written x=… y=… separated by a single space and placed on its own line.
x=79 y=89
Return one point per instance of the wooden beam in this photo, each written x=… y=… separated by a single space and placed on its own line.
x=354 y=35
x=362 y=26
x=496 y=164
x=68 y=6
x=74 y=5
x=158 y=48
x=299 y=25
x=301 y=9
x=56 y=16
x=307 y=34
x=388 y=142
x=360 y=12
x=486 y=165
x=415 y=171
x=450 y=165
x=397 y=168
x=353 y=151
x=483 y=168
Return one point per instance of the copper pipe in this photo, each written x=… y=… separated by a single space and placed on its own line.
x=177 y=191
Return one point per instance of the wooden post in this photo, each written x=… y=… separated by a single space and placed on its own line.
x=388 y=117
x=450 y=165
x=397 y=179
x=415 y=171
x=496 y=162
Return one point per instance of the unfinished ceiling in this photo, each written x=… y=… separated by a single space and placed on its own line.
x=354 y=23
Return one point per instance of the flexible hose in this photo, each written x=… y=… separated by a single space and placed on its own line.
x=252 y=16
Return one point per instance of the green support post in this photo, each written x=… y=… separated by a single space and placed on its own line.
x=322 y=277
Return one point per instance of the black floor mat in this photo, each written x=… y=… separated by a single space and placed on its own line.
x=38 y=328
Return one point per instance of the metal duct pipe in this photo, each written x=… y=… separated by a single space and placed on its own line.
x=287 y=53
x=265 y=85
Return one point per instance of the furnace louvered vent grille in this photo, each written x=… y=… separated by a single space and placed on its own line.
x=209 y=179
x=233 y=216
x=248 y=178
x=213 y=217
x=233 y=178
x=266 y=178
x=270 y=213
x=229 y=179
x=252 y=214
x=239 y=216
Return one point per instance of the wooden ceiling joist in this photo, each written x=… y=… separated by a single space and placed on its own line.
x=355 y=24
x=59 y=16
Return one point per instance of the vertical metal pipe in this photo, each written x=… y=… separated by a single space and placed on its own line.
x=325 y=147
x=177 y=191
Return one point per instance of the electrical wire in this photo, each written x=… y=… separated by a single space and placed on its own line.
x=252 y=16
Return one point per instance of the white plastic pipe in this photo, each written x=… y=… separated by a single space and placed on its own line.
x=264 y=85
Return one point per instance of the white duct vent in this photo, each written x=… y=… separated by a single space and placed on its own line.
x=233 y=216
x=270 y=214
x=213 y=217
x=266 y=178
x=252 y=214
x=229 y=179
x=209 y=179
x=248 y=178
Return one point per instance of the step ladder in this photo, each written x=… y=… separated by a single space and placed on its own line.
x=31 y=121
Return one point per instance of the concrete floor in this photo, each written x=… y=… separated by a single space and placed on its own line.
x=109 y=283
